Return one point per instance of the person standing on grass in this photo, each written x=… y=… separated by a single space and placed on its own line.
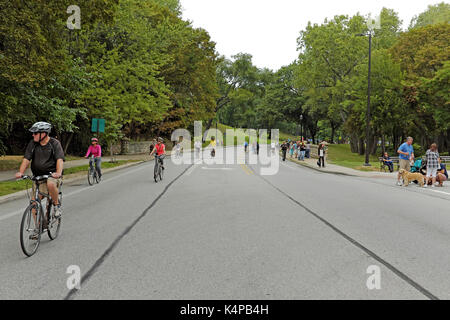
x=406 y=155
x=321 y=154
x=433 y=164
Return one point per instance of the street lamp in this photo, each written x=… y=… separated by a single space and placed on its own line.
x=301 y=127
x=367 y=164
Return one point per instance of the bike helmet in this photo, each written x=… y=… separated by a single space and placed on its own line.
x=41 y=127
x=160 y=139
x=94 y=139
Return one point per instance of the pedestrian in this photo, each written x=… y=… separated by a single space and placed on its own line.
x=406 y=155
x=321 y=154
x=284 y=148
x=308 y=150
x=257 y=147
x=302 y=151
x=292 y=149
x=442 y=175
x=433 y=164
x=152 y=145
x=387 y=161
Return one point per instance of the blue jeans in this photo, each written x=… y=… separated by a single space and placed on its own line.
x=307 y=153
x=98 y=164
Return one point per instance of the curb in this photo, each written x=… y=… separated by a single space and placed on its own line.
x=304 y=164
x=75 y=177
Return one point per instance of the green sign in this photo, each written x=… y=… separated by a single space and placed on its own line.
x=98 y=125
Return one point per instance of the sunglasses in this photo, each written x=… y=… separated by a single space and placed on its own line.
x=36 y=133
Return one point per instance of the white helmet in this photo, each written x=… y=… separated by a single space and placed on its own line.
x=41 y=127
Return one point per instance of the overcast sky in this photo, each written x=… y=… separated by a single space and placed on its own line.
x=268 y=29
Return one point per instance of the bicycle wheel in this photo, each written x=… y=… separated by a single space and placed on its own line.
x=161 y=173
x=54 y=224
x=31 y=229
x=91 y=176
x=156 y=171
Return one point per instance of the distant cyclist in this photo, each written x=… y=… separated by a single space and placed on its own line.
x=46 y=156
x=159 y=149
x=96 y=150
x=213 y=146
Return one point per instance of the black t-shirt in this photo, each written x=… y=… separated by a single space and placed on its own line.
x=43 y=158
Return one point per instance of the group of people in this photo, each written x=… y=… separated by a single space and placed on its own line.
x=433 y=169
x=297 y=149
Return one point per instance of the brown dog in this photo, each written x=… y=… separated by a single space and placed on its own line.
x=408 y=177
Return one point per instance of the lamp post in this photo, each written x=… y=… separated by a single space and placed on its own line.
x=367 y=164
x=301 y=127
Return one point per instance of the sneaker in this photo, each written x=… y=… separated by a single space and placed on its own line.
x=57 y=211
x=398 y=183
x=425 y=185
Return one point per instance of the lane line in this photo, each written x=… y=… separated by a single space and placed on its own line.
x=396 y=271
x=127 y=230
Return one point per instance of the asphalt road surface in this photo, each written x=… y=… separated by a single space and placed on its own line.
x=227 y=232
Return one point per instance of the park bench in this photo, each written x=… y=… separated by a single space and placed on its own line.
x=384 y=167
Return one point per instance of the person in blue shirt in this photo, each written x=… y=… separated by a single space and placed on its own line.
x=406 y=156
x=387 y=161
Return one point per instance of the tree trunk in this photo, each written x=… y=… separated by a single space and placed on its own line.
x=354 y=143
x=66 y=146
x=383 y=144
x=374 y=146
x=333 y=128
x=361 y=147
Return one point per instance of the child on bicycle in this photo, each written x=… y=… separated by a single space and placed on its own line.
x=96 y=150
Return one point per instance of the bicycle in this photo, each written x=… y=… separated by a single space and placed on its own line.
x=158 y=170
x=92 y=172
x=33 y=225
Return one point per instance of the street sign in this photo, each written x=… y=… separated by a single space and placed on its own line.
x=98 y=125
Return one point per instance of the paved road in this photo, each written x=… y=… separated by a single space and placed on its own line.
x=226 y=232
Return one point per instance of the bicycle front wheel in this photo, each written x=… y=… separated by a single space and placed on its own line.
x=161 y=173
x=31 y=229
x=156 y=171
x=91 y=177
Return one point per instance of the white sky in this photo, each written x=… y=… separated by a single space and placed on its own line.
x=268 y=29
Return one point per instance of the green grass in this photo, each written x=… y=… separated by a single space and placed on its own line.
x=13 y=162
x=340 y=154
x=8 y=187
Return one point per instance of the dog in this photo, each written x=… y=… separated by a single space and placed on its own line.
x=408 y=177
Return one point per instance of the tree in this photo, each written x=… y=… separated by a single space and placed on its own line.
x=435 y=14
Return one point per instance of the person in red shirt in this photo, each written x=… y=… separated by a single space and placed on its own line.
x=96 y=150
x=160 y=150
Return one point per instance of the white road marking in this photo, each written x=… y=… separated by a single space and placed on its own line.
x=439 y=191
x=206 y=168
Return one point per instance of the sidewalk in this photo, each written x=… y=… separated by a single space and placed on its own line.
x=9 y=174
x=332 y=168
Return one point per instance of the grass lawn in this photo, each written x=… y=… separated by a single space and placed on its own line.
x=7 y=187
x=13 y=162
x=340 y=154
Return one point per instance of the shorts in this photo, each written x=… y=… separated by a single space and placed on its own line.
x=431 y=172
x=43 y=185
x=404 y=164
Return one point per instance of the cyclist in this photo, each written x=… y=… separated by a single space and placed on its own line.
x=96 y=150
x=160 y=150
x=47 y=158
x=213 y=146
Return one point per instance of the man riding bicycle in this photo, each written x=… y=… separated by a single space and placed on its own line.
x=47 y=158
x=160 y=150
x=96 y=150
